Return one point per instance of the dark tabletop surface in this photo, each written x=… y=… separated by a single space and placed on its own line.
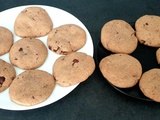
x=93 y=99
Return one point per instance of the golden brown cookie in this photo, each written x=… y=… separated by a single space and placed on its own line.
x=6 y=40
x=28 y=53
x=66 y=38
x=33 y=22
x=121 y=70
x=7 y=74
x=73 y=68
x=148 y=30
x=31 y=87
x=150 y=84
x=118 y=36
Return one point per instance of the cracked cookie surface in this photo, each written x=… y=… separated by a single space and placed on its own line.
x=66 y=38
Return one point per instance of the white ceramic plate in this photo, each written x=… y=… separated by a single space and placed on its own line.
x=59 y=17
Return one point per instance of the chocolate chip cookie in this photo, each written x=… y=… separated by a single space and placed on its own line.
x=150 y=84
x=118 y=36
x=6 y=40
x=73 y=68
x=121 y=70
x=33 y=22
x=66 y=38
x=148 y=30
x=7 y=74
x=28 y=53
x=31 y=87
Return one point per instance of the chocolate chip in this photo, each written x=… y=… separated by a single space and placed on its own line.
x=133 y=34
x=75 y=61
x=12 y=78
x=56 y=32
x=64 y=52
x=147 y=24
x=20 y=49
x=55 y=50
x=143 y=41
x=2 y=79
x=50 y=47
x=33 y=97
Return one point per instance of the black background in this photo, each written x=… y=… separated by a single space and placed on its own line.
x=93 y=99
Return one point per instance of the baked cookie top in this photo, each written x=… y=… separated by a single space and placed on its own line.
x=31 y=87
x=150 y=83
x=7 y=74
x=118 y=36
x=121 y=70
x=148 y=30
x=73 y=68
x=6 y=40
x=66 y=38
x=33 y=22
x=28 y=53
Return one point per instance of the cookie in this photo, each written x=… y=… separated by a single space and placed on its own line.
x=148 y=30
x=121 y=70
x=33 y=22
x=73 y=68
x=158 y=55
x=31 y=87
x=28 y=53
x=7 y=74
x=66 y=38
x=118 y=36
x=6 y=40
x=150 y=84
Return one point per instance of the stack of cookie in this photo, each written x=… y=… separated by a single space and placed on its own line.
x=120 y=68
x=34 y=86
